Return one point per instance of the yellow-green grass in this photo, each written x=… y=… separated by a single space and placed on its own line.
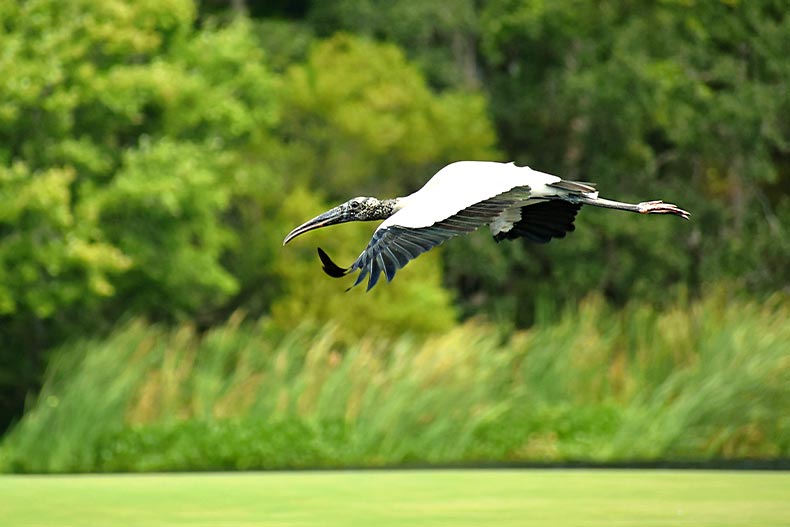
x=703 y=381
x=419 y=497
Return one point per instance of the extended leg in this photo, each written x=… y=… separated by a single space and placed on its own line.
x=646 y=207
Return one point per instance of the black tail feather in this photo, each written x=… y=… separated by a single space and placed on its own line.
x=574 y=186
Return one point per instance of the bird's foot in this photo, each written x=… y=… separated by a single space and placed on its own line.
x=659 y=207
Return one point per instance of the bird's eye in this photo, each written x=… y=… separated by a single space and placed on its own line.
x=354 y=205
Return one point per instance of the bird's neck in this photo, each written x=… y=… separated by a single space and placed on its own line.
x=386 y=208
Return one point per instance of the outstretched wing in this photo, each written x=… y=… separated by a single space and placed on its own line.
x=393 y=246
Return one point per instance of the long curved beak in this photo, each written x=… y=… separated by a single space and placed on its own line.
x=330 y=217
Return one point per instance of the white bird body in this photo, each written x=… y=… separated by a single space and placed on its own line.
x=515 y=202
x=462 y=184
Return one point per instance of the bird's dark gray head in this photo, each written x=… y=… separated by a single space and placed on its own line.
x=356 y=209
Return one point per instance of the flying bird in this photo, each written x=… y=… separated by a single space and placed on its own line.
x=515 y=202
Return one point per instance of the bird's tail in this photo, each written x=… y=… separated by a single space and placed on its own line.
x=574 y=186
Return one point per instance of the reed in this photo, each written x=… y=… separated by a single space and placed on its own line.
x=698 y=381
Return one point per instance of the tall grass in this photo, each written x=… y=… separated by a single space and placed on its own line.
x=707 y=380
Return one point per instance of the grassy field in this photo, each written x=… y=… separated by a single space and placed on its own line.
x=423 y=497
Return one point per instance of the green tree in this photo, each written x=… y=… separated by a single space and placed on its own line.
x=440 y=37
x=121 y=137
x=678 y=100
x=364 y=120
x=357 y=118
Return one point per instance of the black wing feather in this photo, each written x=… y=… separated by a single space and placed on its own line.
x=391 y=248
x=543 y=221
x=330 y=267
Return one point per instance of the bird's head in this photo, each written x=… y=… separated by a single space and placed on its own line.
x=357 y=209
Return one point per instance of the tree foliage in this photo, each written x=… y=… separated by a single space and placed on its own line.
x=112 y=131
x=440 y=37
x=678 y=100
x=367 y=121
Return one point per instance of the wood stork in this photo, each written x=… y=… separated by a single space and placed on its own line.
x=513 y=201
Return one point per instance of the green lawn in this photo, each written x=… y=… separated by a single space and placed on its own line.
x=402 y=498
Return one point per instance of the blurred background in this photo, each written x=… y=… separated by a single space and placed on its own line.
x=153 y=154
